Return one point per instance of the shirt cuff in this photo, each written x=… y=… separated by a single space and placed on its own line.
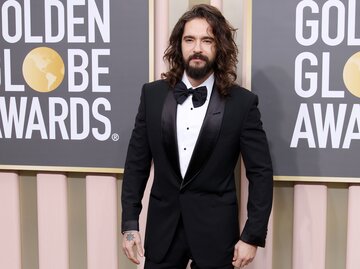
x=252 y=240
x=130 y=225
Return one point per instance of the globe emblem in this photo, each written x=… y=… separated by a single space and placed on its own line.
x=43 y=69
x=351 y=74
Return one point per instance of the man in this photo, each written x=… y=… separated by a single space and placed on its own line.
x=194 y=138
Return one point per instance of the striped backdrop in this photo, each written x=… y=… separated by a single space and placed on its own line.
x=71 y=220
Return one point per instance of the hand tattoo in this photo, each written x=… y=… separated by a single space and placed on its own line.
x=130 y=236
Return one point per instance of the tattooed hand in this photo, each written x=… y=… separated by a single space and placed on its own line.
x=131 y=240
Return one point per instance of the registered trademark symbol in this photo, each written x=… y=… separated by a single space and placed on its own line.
x=115 y=137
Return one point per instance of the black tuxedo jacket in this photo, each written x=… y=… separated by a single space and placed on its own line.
x=205 y=198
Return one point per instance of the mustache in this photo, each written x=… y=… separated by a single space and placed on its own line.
x=198 y=56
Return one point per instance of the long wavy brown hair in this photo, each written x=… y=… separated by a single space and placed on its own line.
x=226 y=49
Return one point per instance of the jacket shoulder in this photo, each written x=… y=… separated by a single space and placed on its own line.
x=157 y=84
x=237 y=91
x=155 y=91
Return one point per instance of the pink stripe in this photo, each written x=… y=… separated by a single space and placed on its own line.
x=217 y=3
x=53 y=221
x=10 y=242
x=353 y=237
x=161 y=35
x=309 y=238
x=101 y=216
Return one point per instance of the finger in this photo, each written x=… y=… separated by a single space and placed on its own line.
x=235 y=254
x=125 y=249
x=236 y=264
x=126 y=253
x=245 y=261
x=131 y=255
x=129 y=252
x=140 y=249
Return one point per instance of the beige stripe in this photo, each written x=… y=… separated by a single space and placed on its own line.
x=317 y=179
x=336 y=223
x=29 y=220
x=77 y=221
x=283 y=225
x=62 y=169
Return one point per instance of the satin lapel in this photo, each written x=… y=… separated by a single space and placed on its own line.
x=208 y=137
x=168 y=131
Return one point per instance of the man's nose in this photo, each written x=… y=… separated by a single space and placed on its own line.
x=197 y=46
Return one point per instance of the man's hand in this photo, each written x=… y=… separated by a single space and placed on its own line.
x=243 y=254
x=131 y=240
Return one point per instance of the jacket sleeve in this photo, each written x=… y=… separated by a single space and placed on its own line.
x=137 y=169
x=256 y=156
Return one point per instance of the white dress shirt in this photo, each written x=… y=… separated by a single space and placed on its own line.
x=189 y=120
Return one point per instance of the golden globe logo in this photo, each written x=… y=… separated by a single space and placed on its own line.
x=328 y=123
x=351 y=74
x=43 y=69
x=70 y=101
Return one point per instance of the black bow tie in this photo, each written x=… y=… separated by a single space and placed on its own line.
x=181 y=92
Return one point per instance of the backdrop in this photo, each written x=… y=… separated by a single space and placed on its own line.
x=306 y=70
x=70 y=81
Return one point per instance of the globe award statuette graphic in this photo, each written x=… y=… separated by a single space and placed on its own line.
x=351 y=74
x=43 y=69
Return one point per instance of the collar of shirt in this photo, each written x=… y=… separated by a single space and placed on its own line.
x=209 y=83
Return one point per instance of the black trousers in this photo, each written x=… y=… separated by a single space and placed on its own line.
x=179 y=254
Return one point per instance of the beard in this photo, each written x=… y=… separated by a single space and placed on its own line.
x=198 y=72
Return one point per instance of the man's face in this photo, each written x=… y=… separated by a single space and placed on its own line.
x=198 y=48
